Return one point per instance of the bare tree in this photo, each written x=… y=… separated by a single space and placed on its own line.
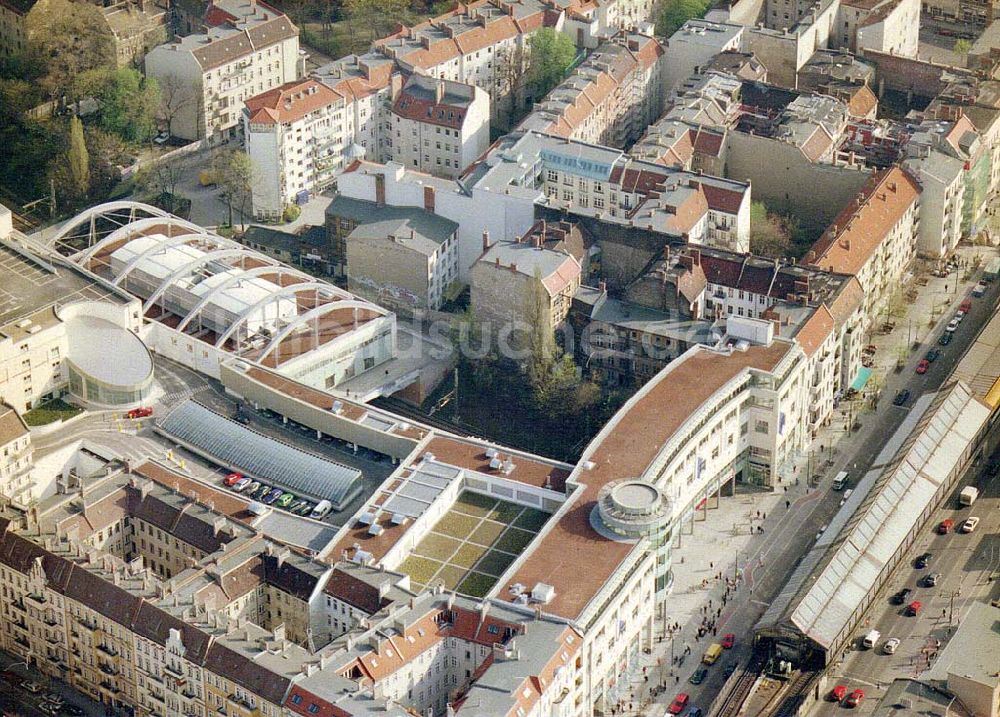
x=160 y=179
x=510 y=63
x=176 y=96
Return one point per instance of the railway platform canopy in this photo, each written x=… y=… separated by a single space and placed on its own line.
x=817 y=613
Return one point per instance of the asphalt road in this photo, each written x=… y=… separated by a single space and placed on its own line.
x=795 y=533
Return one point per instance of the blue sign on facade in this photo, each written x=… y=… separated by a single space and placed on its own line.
x=579 y=166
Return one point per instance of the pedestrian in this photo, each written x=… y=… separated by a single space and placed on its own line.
x=786 y=488
x=711 y=565
x=788 y=504
x=677 y=678
x=758 y=513
x=751 y=530
x=765 y=516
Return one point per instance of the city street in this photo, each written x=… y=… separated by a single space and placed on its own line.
x=18 y=702
x=723 y=541
x=965 y=563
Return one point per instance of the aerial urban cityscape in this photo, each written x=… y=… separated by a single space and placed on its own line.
x=500 y=358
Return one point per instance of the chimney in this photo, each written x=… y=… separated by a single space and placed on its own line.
x=696 y=257
x=380 y=189
x=602 y=286
x=536 y=240
x=439 y=91
x=429 y=199
x=486 y=240
x=513 y=267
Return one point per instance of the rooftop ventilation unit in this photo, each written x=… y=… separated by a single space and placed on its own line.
x=375 y=530
x=543 y=593
x=496 y=463
x=337 y=407
x=491 y=452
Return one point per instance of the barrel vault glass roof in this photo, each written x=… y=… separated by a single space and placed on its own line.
x=258 y=455
x=823 y=595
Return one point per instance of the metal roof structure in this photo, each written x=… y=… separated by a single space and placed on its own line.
x=230 y=444
x=834 y=583
x=980 y=367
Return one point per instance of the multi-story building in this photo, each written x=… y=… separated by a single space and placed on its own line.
x=942 y=195
x=46 y=346
x=403 y=258
x=133 y=27
x=889 y=26
x=598 y=186
x=693 y=47
x=16 y=484
x=296 y=136
x=874 y=238
x=438 y=126
x=248 y=48
x=610 y=98
x=521 y=284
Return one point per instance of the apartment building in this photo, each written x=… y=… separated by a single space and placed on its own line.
x=16 y=484
x=296 y=136
x=517 y=284
x=610 y=98
x=403 y=258
x=438 y=126
x=133 y=26
x=248 y=48
x=625 y=344
x=597 y=186
x=888 y=26
x=874 y=238
x=942 y=196
x=694 y=46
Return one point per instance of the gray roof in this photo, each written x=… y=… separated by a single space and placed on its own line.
x=430 y=230
x=528 y=259
x=90 y=339
x=258 y=455
x=827 y=589
x=974 y=652
x=649 y=321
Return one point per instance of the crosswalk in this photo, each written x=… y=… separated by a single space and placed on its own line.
x=173 y=398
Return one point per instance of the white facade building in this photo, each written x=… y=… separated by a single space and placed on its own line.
x=438 y=126
x=694 y=45
x=253 y=49
x=296 y=136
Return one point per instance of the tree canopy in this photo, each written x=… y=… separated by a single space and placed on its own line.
x=674 y=13
x=129 y=104
x=770 y=234
x=234 y=172
x=66 y=39
x=552 y=53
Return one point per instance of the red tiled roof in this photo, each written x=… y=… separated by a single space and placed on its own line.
x=859 y=230
x=815 y=330
x=290 y=102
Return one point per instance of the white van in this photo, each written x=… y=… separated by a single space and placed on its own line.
x=321 y=509
x=871 y=639
x=840 y=481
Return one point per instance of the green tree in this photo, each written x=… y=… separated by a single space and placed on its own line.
x=770 y=235
x=378 y=16
x=15 y=99
x=234 y=173
x=129 y=103
x=78 y=159
x=107 y=153
x=551 y=55
x=675 y=13
x=962 y=46
x=66 y=39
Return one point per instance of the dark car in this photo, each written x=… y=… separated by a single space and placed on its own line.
x=73 y=710
x=945 y=338
x=900 y=597
x=728 y=670
x=924 y=560
x=694 y=712
x=932 y=355
x=901 y=398
x=699 y=676
x=273 y=495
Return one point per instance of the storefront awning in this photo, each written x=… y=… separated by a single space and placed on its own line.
x=864 y=373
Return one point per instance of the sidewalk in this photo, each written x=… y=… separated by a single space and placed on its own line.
x=726 y=542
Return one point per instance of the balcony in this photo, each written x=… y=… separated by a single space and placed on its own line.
x=88 y=625
x=108 y=650
x=243 y=702
x=173 y=671
x=37 y=601
x=107 y=669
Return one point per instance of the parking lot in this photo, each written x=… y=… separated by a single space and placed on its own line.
x=472 y=545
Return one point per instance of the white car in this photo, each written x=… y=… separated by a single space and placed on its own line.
x=162 y=137
x=970 y=524
x=979 y=289
x=953 y=324
x=890 y=645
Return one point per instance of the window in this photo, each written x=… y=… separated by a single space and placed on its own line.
x=761 y=426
